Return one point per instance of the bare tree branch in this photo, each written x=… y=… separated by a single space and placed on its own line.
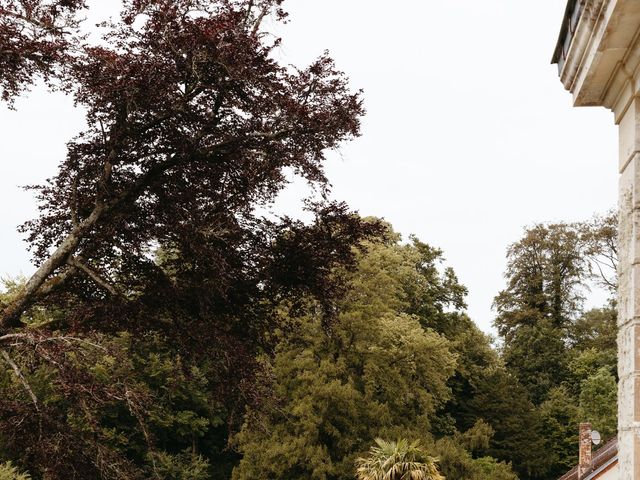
x=11 y=315
x=93 y=275
x=23 y=381
x=258 y=22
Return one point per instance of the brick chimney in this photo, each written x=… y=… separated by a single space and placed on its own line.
x=584 y=465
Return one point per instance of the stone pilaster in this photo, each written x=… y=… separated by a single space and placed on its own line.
x=629 y=296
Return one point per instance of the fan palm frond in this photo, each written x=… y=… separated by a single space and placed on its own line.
x=400 y=460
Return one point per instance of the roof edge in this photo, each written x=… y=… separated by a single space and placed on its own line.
x=606 y=455
x=563 y=31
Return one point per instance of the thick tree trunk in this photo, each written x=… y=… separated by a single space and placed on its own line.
x=11 y=315
x=10 y=318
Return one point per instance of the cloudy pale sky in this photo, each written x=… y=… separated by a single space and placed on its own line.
x=469 y=135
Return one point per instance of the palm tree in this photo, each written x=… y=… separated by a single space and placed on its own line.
x=9 y=472
x=399 y=460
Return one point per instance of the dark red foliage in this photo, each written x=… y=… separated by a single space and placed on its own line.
x=191 y=127
x=34 y=41
x=150 y=222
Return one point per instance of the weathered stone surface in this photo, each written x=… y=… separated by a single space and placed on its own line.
x=629 y=301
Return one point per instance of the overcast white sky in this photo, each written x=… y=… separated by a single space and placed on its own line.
x=469 y=134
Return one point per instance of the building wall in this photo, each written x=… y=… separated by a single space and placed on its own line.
x=612 y=473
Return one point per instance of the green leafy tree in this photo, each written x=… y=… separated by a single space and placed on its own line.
x=457 y=462
x=377 y=373
x=593 y=342
x=560 y=416
x=537 y=355
x=384 y=369
x=600 y=236
x=184 y=466
x=373 y=376
x=585 y=363
x=490 y=468
x=547 y=272
x=598 y=402
x=157 y=416
x=475 y=360
x=597 y=328
x=558 y=353
x=399 y=460
x=506 y=407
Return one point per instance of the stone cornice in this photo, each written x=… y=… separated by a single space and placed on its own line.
x=569 y=22
x=598 y=53
x=580 y=43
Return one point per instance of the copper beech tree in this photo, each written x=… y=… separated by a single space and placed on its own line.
x=191 y=123
x=150 y=223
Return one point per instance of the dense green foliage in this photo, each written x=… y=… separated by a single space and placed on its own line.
x=386 y=369
x=564 y=357
x=378 y=373
x=171 y=332
x=400 y=359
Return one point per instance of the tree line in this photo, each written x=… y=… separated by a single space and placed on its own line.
x=171 y=331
